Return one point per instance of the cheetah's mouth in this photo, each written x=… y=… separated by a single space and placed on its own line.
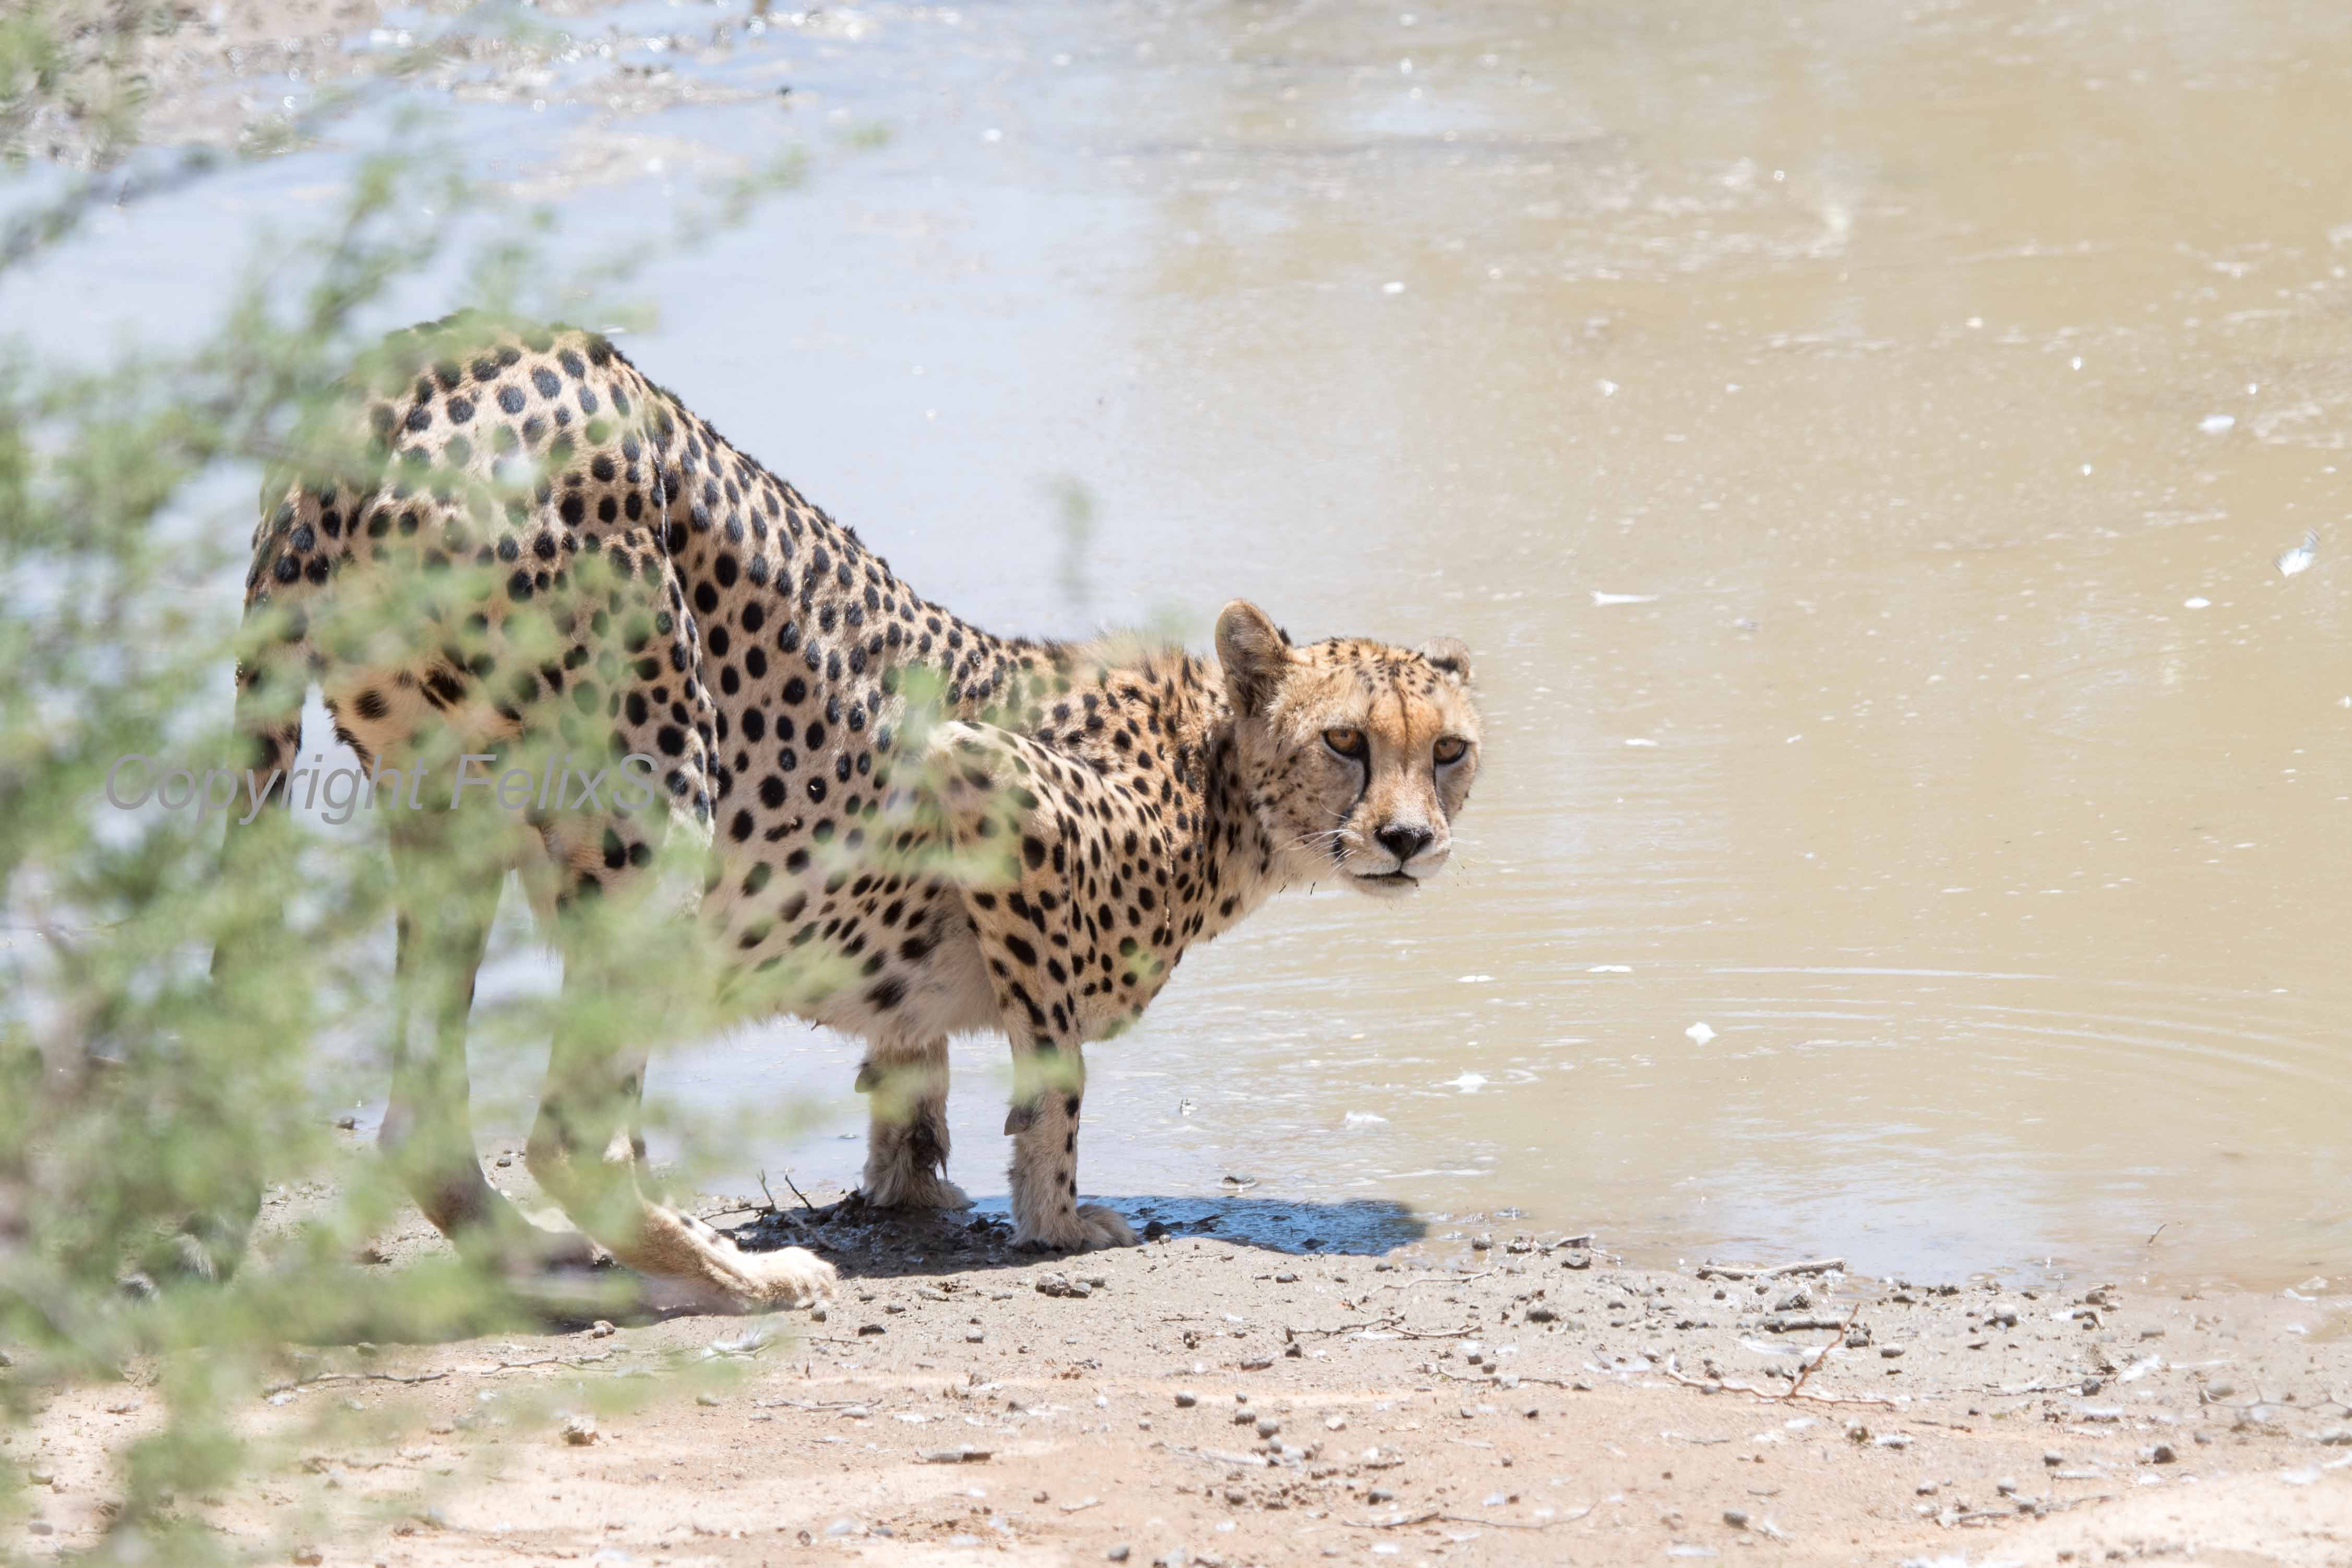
x=1387 y=881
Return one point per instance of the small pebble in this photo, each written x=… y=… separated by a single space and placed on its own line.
x=1735 y=1517
x=1185 y=1400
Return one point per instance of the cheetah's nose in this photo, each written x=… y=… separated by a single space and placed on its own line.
x=1404 y=842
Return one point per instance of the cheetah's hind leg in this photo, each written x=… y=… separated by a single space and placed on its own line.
x=613 y=906
x=582 y=1152
x=445 y=903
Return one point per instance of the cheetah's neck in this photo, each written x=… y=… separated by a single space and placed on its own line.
x=1178 y=733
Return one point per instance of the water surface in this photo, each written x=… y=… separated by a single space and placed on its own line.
x=1856 y=442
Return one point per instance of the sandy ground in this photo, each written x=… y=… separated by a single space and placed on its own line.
x=1502 y=1398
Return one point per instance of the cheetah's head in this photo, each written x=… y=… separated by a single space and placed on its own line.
x=1358 y=755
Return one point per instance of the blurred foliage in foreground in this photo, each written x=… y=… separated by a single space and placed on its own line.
x=142 y=1106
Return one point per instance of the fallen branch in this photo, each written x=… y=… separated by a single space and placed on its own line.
x=1495 y=1382
x=1796 y=1389
x=496 y=1367
x=1399 y=1522
x=1343 y=1328
x=356 y=1377
x=1777 y=1272
x=1433 y=1279
x=2025 y=1509
x=797 y=1193
x=1506 y=1523
x=1406 y=1521
x=1722 y=1386
x=812 y=1404
x=1218 y=1455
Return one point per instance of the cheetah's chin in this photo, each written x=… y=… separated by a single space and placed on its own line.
x=1387 y=884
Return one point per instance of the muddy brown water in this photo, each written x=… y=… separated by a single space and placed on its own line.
x=1858 y=442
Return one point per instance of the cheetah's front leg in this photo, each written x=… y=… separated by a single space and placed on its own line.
x=1049 y=1084
x=996 y=790
x=907 y=1138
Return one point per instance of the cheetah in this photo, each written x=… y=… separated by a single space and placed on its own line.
x=811 y=726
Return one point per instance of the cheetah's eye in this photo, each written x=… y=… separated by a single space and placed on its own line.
x=1345 y=742
x=1450 y=749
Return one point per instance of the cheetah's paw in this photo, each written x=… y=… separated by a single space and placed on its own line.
x=790 y=1276
x=913 y=1189
x=1088 y=1226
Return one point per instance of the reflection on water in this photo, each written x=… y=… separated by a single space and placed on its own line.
x=1857 y=441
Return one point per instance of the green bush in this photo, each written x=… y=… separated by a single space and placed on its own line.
x=144 y=1103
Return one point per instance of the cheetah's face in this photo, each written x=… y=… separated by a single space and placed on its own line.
x=1358 y=754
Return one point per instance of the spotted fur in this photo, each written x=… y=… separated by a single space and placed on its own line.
x=823 y=727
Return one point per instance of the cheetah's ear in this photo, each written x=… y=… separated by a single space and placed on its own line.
x=1254 y=653
x=1449 y=654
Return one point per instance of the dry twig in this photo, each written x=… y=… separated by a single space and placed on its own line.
x=1777 y=1272
x=1405 y=1521
x=1342 y=1328
x=798 y=1193
x=496 y=1367
x=357 y=1377
x=1796 y=1389
x=1433 y=1279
